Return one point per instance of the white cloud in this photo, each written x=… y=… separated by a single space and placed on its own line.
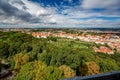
x=36 y=10
x=33 y=14
x=108 y=4
x=32 y=8
x=69 y=1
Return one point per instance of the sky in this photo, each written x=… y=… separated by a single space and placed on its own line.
x=60 y=13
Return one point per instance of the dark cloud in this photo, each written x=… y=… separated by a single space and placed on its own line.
x=9 y=10
x=18 y=2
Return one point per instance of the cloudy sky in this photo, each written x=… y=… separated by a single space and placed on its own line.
x=60 y=13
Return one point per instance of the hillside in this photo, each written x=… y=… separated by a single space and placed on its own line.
x=52 y=58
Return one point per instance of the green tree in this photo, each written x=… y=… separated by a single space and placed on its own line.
x=107 y=65
x=26 y=47
x=4 y=49
x=116 y=57
x=45 y=57
x=14 y=48
x=53 y=73
x=25 y=72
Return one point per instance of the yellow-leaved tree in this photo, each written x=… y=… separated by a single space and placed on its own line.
x=89 y=68
x=37 y=70
x=67 y=71
x=20 y=59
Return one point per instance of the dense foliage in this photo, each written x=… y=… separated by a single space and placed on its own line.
x=52 y=58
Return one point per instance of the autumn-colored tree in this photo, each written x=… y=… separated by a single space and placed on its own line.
x=67 y=71
x=20 y=59
x=89 y=68
x=25 y=58
x=42 y=72
x=37 y=70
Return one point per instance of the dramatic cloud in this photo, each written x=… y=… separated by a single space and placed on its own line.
x=8 y=11
x=84 y=13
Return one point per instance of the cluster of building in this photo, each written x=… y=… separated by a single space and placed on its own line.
x=58 y=34
x=112 y=40
x=115 y=45
x=41 y=34
x=103 y=49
